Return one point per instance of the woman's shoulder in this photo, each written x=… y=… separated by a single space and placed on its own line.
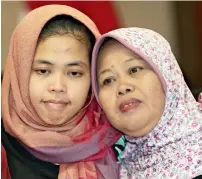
x=21 y=163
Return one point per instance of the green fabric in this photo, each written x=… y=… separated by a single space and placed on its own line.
x=119 y=147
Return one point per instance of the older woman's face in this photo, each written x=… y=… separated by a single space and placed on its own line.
x=129 y=90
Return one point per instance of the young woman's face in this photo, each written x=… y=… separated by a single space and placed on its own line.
x=60 y=78
x=129 y=91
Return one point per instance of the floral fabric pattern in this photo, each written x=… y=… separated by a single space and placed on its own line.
x=173 y=149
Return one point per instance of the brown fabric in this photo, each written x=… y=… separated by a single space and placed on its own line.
x=45 y=142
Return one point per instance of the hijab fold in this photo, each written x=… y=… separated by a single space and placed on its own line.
x=173 y=149
x=82 y=147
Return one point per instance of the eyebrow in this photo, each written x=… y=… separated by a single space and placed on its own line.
x=126 y=61
x=104 y=71
x=43 y=62
x=76 y=63
x=132 y=59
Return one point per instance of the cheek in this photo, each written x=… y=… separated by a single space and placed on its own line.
x=79 y=89
x=36 y=89
x=106 y=101
x=156 y=95
x=32 y=89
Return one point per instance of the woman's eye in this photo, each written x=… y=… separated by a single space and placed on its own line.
x=43 y=72
x=135 y=70
x=108 y=81
x=75 y=74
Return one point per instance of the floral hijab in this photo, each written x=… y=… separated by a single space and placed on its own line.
x=173 y=149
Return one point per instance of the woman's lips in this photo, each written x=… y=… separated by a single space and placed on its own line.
x=129 y=105
x=57 y=105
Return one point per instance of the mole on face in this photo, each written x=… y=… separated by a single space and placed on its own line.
x=112 y=66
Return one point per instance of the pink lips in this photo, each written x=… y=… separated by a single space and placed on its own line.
x=54 y=104
x=129 y=105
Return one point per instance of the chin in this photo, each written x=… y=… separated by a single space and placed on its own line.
x=132 y=133
x=54 y=121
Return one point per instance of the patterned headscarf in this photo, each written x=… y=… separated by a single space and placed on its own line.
x=173 y=149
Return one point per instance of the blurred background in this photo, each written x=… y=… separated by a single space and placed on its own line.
x=179 y=22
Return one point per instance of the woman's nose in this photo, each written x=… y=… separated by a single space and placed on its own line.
x=125 y=88
x=57 y=84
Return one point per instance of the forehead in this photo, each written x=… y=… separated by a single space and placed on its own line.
x=111 y=46
x=61 y=45
x=114 y=52
x=61 y=49
x=60 y=42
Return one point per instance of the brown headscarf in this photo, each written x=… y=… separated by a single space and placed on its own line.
x=82 y=146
